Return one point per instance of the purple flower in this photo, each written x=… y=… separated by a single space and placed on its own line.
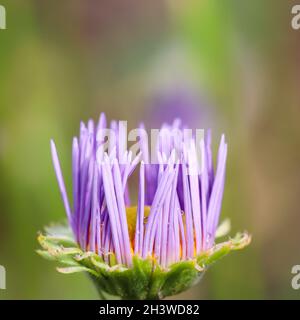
x=179 y=196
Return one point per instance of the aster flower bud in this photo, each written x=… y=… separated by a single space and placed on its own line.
x=163 y=245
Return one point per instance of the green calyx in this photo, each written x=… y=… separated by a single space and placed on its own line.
x=145 y=279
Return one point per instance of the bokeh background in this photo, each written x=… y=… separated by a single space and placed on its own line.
x=230 y=65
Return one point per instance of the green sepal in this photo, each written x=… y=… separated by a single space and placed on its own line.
x=145 y=279
x=77 y=269
x=181 y=276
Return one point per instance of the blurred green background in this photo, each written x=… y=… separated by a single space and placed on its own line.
x=233 y=65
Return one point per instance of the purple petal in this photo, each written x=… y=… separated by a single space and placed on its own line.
x=60 y=181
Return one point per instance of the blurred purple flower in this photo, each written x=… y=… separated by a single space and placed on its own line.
x=180 y=103
x=177 y=212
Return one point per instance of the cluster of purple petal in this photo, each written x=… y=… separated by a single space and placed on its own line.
x=184 y=200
